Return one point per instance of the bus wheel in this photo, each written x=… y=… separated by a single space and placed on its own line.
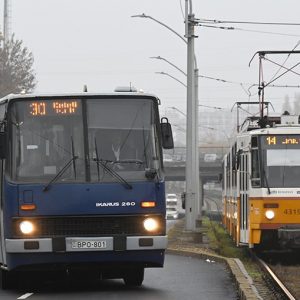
x=8 y=280
x=134 y=277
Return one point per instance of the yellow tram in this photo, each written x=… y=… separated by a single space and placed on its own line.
x=261 y=184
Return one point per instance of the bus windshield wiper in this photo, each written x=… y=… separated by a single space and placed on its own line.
x=73 y=155
x=61 y=172
x=103 y=164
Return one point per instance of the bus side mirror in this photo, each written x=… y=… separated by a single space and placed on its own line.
x=166 y=132
x=2 y=145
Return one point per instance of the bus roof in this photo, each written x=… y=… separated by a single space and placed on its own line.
x=80 y=95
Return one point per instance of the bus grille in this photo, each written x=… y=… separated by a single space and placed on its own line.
x=88 y=226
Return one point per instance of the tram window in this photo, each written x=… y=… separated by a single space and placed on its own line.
x=282 y=167
x=255 y=172
x=254 y=142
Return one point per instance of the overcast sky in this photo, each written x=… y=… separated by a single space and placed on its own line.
x=96 y=42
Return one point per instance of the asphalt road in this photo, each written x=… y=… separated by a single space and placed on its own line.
x=181 y=278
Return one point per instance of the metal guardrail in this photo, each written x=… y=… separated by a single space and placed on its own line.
x=210 y=163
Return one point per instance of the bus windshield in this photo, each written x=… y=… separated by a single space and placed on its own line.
x=83 y=134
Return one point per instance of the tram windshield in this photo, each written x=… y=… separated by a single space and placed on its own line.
x=87 y=137
x=281 y=160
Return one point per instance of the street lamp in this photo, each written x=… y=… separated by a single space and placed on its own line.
x=192 y=156
x=181 y=112
x=193 y=207
x=161 y=23
x=213 y=107
x=167 y=74
x=170 y=63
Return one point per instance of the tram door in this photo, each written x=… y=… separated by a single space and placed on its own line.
x=244 y=198
x=1 y=215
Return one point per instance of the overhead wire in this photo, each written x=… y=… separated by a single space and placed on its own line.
x=282 y=65
x=247 y=22
x=242 y=85
x=248 y=30
x=181 y=8
x=206 y=21
x=288 y=70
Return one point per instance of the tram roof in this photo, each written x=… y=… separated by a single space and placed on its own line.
x=279 y=129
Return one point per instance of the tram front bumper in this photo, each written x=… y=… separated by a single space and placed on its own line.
x=82 y=244
x=289 y=236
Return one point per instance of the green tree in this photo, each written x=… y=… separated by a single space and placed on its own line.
x=16 y=72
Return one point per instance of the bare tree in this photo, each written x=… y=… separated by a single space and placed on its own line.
x=286 y=105
x=16 y=72
x=297 y=104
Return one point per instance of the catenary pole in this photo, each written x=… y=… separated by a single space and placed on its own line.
x=192 y=150
x=6 y=20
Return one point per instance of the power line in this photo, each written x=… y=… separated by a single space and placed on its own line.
x=213 y=107
x=248 y=30
x=247 y=22
x=282 y=65
x=181 y=8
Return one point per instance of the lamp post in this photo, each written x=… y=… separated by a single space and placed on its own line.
x=175 y=108
x=167 y=74
x=193 y=209
x=170 y=63
x=161 y=23
x=6 y=19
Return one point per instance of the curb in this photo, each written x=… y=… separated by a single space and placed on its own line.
x=246 y=288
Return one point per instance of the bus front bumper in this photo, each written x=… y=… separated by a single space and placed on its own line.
x=82 y=244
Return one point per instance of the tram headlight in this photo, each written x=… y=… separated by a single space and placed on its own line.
x=270 y=214
x=26 y=227
x=151 y=224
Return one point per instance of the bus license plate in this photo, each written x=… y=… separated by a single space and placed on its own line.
x=89 y=244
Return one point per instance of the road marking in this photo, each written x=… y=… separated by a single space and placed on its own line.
x=25 y=296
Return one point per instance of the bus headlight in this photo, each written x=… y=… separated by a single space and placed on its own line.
x=150 y=224
x=26 y=227
x=270 y=214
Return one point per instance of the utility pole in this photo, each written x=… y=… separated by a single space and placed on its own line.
x=192 y=151
x=193 y=202
x=6 y=20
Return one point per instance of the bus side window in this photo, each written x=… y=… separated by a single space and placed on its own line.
x=2 y=133
x=2 y=113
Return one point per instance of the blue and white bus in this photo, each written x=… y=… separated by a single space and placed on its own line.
x=82 y=185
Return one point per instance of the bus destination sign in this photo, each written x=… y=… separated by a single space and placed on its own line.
x=54 y=107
